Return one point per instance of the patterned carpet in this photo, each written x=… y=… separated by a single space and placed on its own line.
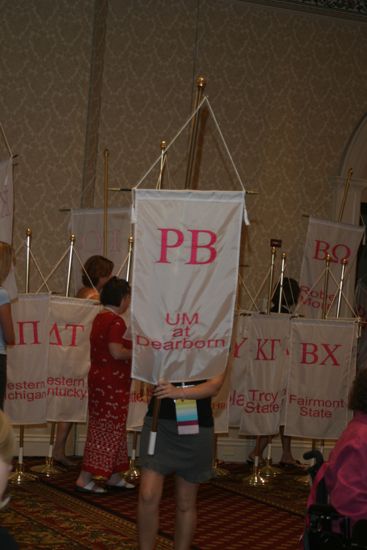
x=50 y=514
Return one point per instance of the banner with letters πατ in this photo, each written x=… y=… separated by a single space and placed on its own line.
x=265 y=374
x=341 y=242
x=184 y=286
x=70 y=325
x=322 y=368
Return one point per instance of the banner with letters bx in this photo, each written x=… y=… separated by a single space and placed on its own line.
x=184 y=282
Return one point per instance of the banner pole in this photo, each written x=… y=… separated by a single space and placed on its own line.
x=326 y=287
x=49 y=469
x=200 y=83
x=340 y=290
x=162 y=164
x=345 y=194
x=282 y=270
x=19 y=475
x=271 y=278
x=105 y=202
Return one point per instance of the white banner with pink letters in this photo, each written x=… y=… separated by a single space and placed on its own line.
x=265 y=374
x=341 y=242
x=26 y=391
x=322 y=368
x=185 y=278
x=49 y=364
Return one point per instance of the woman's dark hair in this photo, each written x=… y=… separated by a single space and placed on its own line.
x=95 y=268
x=113 y=291
x=358 y=393
x=290 y=294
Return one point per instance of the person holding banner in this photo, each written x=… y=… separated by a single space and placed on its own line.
x=7 y=336
x=105 y=452
x=186 y=452
x=96 y=271
x=344 y=473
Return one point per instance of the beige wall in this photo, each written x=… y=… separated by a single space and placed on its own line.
x=287 y=87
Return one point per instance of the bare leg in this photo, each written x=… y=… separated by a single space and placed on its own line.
x=261 y=443
x=62 y=433
x=287 y=456
x=185 y=524
x=150 y=492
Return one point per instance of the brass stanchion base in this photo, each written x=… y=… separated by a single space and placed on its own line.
x=269 y=471
x=305 y=480
x=254 y=479
x=132 y=474
x=19 y=476
x=218 y=471
x=48 y=469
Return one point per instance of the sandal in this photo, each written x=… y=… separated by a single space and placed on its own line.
x=120 y=485
x=91 y=488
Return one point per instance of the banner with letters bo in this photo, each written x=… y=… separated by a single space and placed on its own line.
x=322 y=368
x=265 y=374
x=185 y=278
x=341 y=242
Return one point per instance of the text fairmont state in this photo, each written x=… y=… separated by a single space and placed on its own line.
x=263 y=402
x=180 y=325
x=316 y=408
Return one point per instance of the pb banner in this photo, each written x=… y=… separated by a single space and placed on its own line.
x=322 y=368
x=185 y=279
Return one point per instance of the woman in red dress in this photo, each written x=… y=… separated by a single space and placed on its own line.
x=105 y=453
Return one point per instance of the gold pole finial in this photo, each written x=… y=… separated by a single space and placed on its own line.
x=72 y=238
x=201 y=82
x=28 y=232
x=163 y=144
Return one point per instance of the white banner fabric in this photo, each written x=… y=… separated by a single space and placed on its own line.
x=70 y=325
x=341 y=242
x=6 y=201
x=185 y=277
x=322 y=368
x=238 y=362
x=139 y=398
x=265 y=374
x=26 y=393
x=87 y=226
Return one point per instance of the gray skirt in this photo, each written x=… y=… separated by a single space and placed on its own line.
x=188 y=456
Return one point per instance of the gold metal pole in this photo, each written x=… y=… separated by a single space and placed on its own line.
x=162 y=165
x=70 y=264
x=105 y=203
x=345 y=194
x=132 y=474
x=271 y=278
x=341 y=285
x=49 y=469
x=19 y=476
x=200 y=83
x=130 y=258
x=326 y=286
x=282 y=270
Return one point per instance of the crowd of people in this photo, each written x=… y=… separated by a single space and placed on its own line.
x=189 y=456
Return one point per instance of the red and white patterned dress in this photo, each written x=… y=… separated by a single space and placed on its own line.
x=108 y=399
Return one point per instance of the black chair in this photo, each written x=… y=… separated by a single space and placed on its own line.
x=327 y=529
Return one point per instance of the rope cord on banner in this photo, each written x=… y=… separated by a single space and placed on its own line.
x=122 y=265
x=351 y=308
x=53 y=271
x=6 y=141
x=242 y=283
x=35 y=263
